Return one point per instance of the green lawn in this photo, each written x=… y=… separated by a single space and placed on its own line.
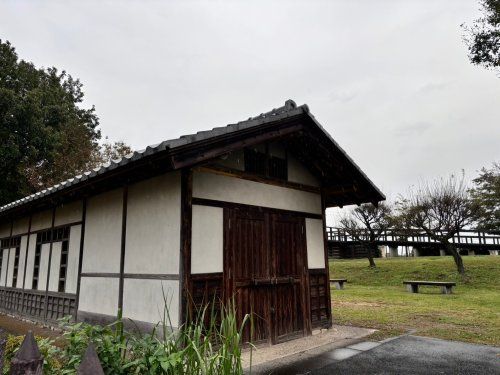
x=376 y=298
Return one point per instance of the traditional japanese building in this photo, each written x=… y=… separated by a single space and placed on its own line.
x=235 y=211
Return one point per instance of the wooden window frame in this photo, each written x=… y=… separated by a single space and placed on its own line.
x=16 y=242
x=267 y=170
x=63 y=266
x=49 y=236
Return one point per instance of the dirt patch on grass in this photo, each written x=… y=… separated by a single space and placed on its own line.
x=19 y=327
x=357 y=304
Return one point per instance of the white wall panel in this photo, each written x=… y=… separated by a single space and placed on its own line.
x=103 y=228
x=10 y=270
x=41 y=220
x=69 y=213
x=207 y=239
x=3 y=274
x=315 y=244
x=44 y=267
x=99 y=295
x=21 y=226
x=5 y=229
x=230 y=189
x=143 y=300
x=55 y=262
x=153 y=225
x=73 y=258
x=30 y=262
x=22 y=259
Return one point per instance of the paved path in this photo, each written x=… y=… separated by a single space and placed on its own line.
x=402 y=355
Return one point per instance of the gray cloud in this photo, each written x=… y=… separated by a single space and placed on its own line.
x=156 y=70
x=412 y=130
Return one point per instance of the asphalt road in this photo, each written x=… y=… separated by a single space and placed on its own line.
x=403 y=355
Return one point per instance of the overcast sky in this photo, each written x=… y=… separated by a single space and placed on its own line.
x=390 y=80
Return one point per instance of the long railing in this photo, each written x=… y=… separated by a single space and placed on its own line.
x=468 y=238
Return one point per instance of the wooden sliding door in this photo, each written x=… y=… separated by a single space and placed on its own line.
x=266 y=272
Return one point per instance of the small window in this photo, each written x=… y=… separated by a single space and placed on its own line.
x=16 y=266
x=63 y=267
x=262 y=163
x=255 y=162
x=36 y=266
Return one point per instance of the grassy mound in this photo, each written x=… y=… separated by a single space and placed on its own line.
x=376 y=297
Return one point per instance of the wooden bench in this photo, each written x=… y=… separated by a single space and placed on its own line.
x=446 y=286
x=338 y=283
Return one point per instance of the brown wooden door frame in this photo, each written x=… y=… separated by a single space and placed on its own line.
x=268 y=283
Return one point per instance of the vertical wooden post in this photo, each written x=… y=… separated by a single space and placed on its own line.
x=8 y=252
x=28 y=360
x=46 y=304
x=90 y=364
x=185 y=250
x=123 y=245
x=80 y=256
x=327 y=264
x=26 y=253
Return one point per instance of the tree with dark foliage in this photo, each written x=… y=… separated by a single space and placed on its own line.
x=486 y=195
x=441 y=209
x=366 y=223
x=483 y=38
x=46 y=135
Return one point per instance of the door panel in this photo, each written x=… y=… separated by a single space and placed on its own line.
x=248 y=259
x=289 y=251
x=265 y=271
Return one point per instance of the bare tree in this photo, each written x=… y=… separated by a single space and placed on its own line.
x=366 y=223
x=441 y=209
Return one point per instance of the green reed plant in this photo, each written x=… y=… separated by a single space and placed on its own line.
x=209 y=343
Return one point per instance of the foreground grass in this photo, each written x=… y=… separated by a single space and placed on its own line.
x=376 y=298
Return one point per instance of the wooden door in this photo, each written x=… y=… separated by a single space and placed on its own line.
x=289 y=300
x=265 y=272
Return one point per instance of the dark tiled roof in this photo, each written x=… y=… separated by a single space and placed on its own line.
x=288 y=110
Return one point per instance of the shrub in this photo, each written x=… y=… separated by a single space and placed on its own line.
x=209 y=344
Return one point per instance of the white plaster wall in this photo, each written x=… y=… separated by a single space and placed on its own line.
x=5 y=229
x=230 y=189
x=44 y=267
x=315 y=244
x=10 y=270
x=153 y=225
x=103 y=228
x=22 y=259
x=99 y=295
x=144 y=300
x=3 y=275
x=297 y=172
x=207 y=239
x=41 y=220
x=69 y=213
x=73 y=258
x=55 y=262
x=20 y=226
x=30 y=262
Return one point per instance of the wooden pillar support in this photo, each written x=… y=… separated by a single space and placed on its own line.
x=185 y=251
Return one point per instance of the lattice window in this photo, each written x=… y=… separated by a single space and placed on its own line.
x=319 y=297
x=36 y=266
x=63 y=266
x=262 y=163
